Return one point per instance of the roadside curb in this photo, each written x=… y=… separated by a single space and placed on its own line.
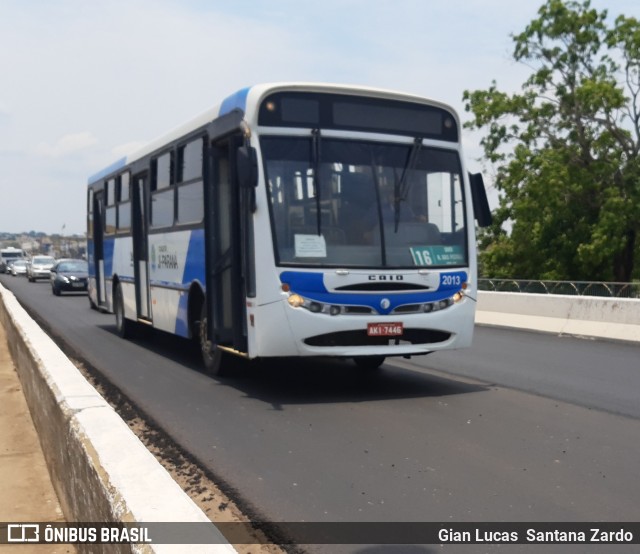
x=100 y=470
x=615 y=319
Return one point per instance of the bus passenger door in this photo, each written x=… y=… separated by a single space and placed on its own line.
x=98 y=246
x=140 y=227
x=225 y=284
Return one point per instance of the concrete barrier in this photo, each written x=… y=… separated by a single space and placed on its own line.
x=608 y=318
x=99 y=468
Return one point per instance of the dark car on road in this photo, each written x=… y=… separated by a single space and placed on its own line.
x=69 y=275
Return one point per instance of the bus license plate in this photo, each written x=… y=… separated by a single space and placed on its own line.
x=384 y=329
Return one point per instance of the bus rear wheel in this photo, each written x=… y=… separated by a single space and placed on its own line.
x=211 y=354
x=369 y=363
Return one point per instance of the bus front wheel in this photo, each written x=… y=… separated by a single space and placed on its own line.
x=211 y=354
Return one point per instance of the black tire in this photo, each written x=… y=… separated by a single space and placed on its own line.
x=55 y=290
x=212 y=356
x=124 y=327
x=369 y=363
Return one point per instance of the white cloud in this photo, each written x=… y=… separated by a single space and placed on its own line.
x=66 y=145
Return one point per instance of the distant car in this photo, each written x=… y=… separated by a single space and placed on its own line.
x=39 y=267
x=18 y=267
x=69 y=275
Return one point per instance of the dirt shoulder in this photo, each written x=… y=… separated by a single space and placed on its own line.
x=27 y=491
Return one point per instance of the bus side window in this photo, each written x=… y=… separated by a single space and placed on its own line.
x=162 y=195
x=191 y=203
x=190 y=188
x=110 y=212
x=124 y=203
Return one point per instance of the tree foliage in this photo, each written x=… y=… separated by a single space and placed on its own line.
x=565 y=149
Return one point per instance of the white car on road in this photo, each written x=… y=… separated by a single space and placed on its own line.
x=18 y=267
x=39 y=267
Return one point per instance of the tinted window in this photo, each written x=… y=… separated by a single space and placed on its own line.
x=162 y=167
x=124 y=216
x=111 y=192
x=162 y=209
x=110 y=220
x=124 y=187
x=190 y=203
x=190 y=161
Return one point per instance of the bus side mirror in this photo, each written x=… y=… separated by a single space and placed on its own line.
x=247 y=166
x=479 y=197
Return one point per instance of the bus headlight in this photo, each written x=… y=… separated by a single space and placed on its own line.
x=295 y=300
x=438 y=305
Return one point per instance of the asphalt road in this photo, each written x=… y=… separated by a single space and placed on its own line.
x=520 y=427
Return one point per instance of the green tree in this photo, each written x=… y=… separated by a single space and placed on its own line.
x=566 y=149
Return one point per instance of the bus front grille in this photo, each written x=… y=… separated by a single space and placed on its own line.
x=360 y=338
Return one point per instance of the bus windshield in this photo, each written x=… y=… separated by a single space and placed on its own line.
x=350 y=203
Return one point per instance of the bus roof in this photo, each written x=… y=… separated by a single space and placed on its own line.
x=239 y=101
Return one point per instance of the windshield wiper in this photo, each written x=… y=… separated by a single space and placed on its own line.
x=376 y=182
x=401 y=189
x=316 y=152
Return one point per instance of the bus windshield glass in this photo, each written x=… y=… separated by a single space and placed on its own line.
x=350 y=203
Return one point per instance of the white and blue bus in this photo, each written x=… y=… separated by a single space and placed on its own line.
x=294 y=220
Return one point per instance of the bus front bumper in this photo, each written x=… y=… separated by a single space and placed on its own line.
x=303 y=333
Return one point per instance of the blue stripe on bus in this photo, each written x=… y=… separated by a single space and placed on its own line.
x=182 y=319
x=311 y=286
x=107 y=170
x=90 y=258
x=194 y=262
x=108 y=248
x=194 y=271
x=237 y=100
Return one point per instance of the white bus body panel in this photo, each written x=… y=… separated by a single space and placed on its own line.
x=176 y=260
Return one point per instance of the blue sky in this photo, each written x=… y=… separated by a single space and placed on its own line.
x=84 y=83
